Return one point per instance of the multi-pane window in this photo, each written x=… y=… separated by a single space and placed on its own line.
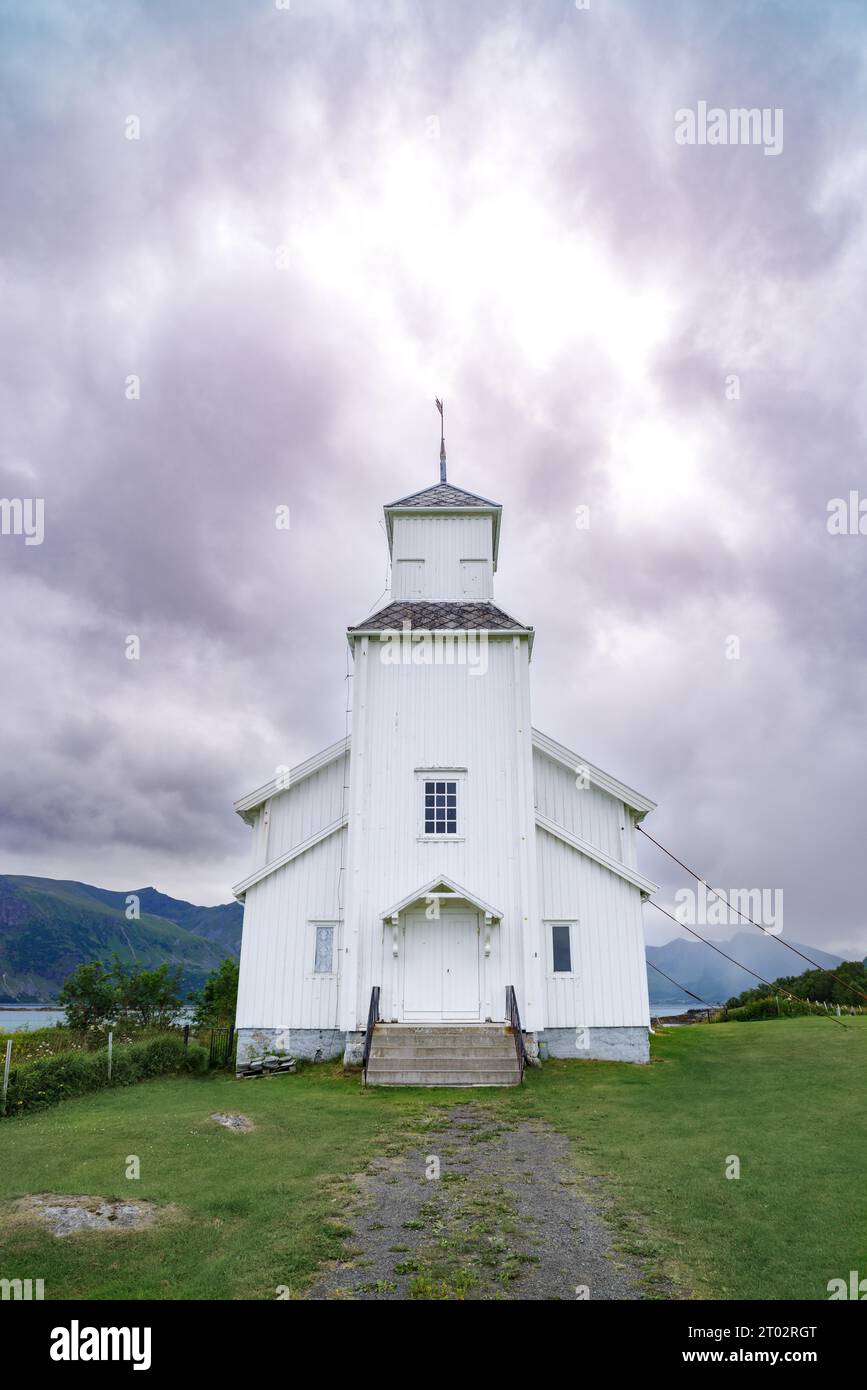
x=561 y=947
x=440 y=808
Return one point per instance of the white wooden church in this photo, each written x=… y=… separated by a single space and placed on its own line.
x=448 y=891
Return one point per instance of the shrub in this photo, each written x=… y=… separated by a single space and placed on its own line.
x=149 y=996
x=34 y=1085
x=776 y=1006
x=89 y=996
x=96 y=998
x=216 y=1003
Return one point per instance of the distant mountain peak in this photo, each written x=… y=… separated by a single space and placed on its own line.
x=703 y=971
x=49 y=926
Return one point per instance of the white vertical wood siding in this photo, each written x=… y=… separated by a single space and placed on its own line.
x=278 y=986
x=608 y=984
x=442 y=543
x=429 y=716
x=588 y=812
x=300 y=811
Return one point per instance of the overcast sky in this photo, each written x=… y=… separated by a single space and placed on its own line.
x=334 y=212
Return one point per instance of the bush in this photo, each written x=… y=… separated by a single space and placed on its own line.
x=777 y=1006
x=37 y=1084
x=89 y=996
x=149 y=996
x=216 y=1003
x=769 y=1006
x=845 y=985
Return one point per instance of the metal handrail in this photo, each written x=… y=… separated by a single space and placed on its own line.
x=372 y=1020
x=515 y=1022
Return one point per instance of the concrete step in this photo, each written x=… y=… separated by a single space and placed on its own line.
x=463 y=1030
x=429 y=1058
x=402 y=1047
x=442 y=1061
x=405 y=1077
x=443 y=1054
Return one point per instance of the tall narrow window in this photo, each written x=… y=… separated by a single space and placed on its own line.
x=323 y=963
x=561 y=946
x=440 y=808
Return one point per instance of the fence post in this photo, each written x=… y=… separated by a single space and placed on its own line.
x=6 y=1071
x=229 y=1048
x=110 y=1042
x=186 y=1035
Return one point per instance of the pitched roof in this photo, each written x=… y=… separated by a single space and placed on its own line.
x=442 y=495
x=246 y=806
x=294 y=852
x=636 y=800
x=598 y=855
x=437 y=617
x=432 y=890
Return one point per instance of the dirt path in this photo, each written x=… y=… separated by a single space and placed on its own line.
x=505 y=1218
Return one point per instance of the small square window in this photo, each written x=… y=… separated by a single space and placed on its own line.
x=561 y=943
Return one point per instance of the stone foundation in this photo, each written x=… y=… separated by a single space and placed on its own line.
x=311 y=1044
x=353 y=1053
x=327 y=1044
x=596 y=1044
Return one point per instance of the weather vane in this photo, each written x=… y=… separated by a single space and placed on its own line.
x=442 y=441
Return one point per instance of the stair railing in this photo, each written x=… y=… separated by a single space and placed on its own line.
x=514 y=1018
x=372 y=1020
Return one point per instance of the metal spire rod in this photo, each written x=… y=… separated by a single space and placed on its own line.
x=442 y=441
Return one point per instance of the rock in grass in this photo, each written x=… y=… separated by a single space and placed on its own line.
x=69 y=1215
x=239 y=1124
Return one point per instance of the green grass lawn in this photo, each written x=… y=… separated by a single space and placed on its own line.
x=262 y=1210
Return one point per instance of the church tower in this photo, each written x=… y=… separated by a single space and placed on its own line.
x=441 y=908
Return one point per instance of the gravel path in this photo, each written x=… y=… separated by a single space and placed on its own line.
x=505 y=1219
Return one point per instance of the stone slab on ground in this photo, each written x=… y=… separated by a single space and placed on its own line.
x=66 y=1215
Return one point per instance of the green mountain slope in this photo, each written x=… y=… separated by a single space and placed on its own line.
x=49 y=926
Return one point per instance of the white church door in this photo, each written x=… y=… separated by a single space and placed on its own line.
x=441 y=980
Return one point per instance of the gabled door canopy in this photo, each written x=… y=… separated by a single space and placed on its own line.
x=445 y=890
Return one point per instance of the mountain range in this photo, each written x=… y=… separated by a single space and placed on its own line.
x=49 y=926
x=707 y=974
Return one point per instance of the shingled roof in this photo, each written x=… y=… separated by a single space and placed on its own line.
x=442 y=495
x=445 y=497
x=439 y=617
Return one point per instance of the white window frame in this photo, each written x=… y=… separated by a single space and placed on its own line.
x=571 y=923
x=313 y=925
x=458 y=775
